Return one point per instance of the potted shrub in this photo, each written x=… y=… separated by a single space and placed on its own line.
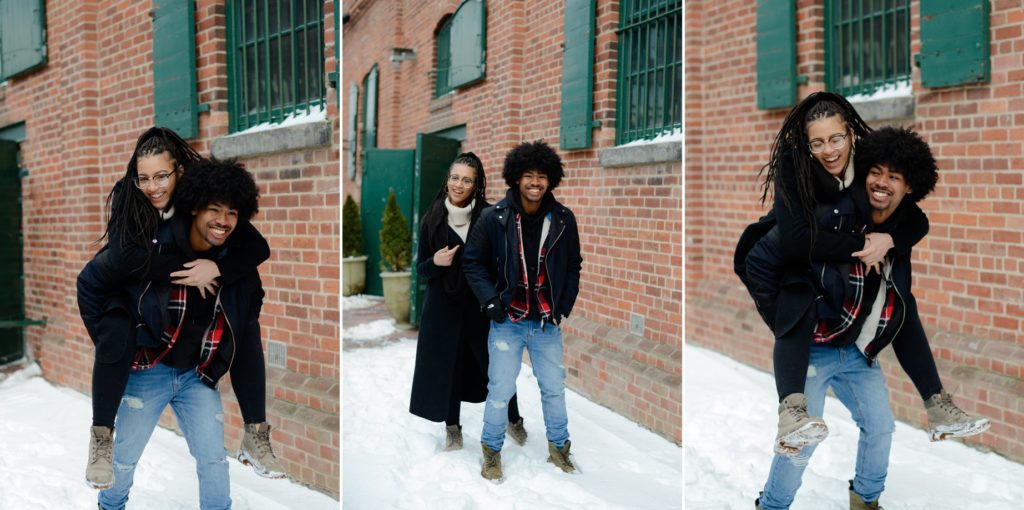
x=353 y=259
x=396 y=257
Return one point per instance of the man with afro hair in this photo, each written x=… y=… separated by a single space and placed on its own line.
x=523 y=263
x=187 y=339
x=863 y=308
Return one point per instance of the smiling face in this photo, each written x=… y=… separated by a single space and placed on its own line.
x=823 y=130
x=886 y=190
x=532 y=187
x=459 y=192
x=151 y=170
x=211 y=226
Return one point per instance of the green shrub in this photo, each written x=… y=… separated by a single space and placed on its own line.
x=351 y=229
x=395 y=239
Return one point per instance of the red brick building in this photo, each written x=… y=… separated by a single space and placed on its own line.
x=81 y=80
x=969 y=271
x=486 y=76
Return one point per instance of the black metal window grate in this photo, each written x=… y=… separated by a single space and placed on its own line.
x=867 y=45
x=275 y=60
x=650 y=79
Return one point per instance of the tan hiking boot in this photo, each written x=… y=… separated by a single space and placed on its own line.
x=491 y=469
x=257 y=452
x=560 y=456
x=858 y=504
x=517 y=431
x=99 y=473
x=453 y=438
x=946 y=420
x=796 y=428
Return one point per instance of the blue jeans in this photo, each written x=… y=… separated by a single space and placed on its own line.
x=200 y=416
x=505 y=345
x=861 y=388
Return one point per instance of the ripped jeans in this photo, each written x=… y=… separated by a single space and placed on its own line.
x=861 y=389
x=200 y=417
x=505 y=345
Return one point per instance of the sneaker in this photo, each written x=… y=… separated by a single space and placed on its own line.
x=858 y=504
x=560 y=456
x=517 y=431
x=796 y=428
x=491 y=469
x=453 y=438
x=946 y=420
x=256 y=451
x=99 y=473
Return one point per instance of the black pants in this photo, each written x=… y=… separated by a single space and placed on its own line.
x=792 y=354
x=455 y=407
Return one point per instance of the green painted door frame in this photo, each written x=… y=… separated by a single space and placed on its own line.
x=12 y=279
x=434 y=154
x=384 y=170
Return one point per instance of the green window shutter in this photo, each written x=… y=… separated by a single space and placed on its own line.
x=175 y=101
x=467 y=46
x=370 y=109
x=22 y=37
x=577 y=75
x=776 y=54
x=444 y=39
x=954 y=42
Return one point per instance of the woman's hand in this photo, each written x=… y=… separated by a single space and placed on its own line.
x=876 y=245
x=444 y=256
x=201 y=273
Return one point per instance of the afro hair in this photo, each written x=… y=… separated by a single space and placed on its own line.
x=537 y=156
x=213 y=180
x=905 y=152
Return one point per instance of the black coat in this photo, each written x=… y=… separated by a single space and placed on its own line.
x=451 y=351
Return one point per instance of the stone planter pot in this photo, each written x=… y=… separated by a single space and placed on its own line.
x=353 y=275
x=397 y=296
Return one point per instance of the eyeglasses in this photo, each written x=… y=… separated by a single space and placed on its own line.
x=161 y=180
x=455 y=179
x=835 y=141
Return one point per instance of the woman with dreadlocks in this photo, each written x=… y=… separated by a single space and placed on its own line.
x=810 y=169
x=140 y=202
x=451 y=352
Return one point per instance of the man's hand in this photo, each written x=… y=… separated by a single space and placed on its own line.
x=876 y=245
x=495 y=310
x=201 y=273
x=444 y=256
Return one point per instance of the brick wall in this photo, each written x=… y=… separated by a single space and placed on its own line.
x=82 y=114
x=969 y=271
x=629 y=216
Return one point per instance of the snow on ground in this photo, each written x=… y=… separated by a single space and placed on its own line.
x=394 y=460
x=44 y=437
x=730 y=420
x=370 y=331
x=360 y=301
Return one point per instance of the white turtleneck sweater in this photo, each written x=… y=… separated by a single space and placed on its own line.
x=458 y=217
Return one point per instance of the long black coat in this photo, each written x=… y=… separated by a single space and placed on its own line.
x=451 y=351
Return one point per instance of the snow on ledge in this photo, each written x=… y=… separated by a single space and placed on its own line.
x=901 y=88
x=313 y=115
x=668 y=135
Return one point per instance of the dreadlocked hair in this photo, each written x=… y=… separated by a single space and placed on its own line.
x=791 y=141
x=436 y=217
x=132 y=219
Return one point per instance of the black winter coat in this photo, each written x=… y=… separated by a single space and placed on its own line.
x=451 y=350
x=492 y=260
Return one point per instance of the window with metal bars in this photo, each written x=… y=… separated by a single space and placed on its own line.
x=650 y=83
x=275 y=60
x=444 y=61
x=867 y=45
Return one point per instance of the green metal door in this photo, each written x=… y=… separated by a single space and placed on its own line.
x=12 y=306
x=434 y=154
x=383 y=170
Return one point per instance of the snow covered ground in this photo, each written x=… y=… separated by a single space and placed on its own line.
x=394 y=460
x=44 y=437
x=730 y=419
